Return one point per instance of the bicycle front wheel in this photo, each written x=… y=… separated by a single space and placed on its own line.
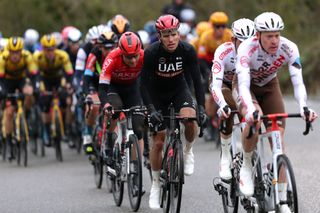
x=285 y=172
x=58 y=135
x=176 y=178
x=22 y=151
x=134 y=178
x=117 y=183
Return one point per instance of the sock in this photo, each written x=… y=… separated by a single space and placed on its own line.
x=88 y=130
x=282 y=189
x=247 y=156
x=225 y=147
x=188 y=146
x=155 y=178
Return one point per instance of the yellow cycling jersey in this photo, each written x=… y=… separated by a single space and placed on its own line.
x=195 y=43
x=208 y=44
x=55 y=68
x=18 y=70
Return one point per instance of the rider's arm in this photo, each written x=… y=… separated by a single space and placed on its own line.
x=193 y=68
x=89 y=72
x=243 y=74
x=80 y=66
x=32 y=66
x=145 y=76
x=295 y=70
x=2 y=66
x=105 y=79
x=67 y=66
x=217 y=77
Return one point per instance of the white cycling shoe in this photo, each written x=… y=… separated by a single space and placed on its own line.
x=154 y=198
x=225 y=171
x=246 y=182
x=285 y=208
x=188 y=162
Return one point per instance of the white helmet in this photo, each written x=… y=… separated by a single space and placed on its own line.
x=74 y=35
x=187 y=15
x=95 y=31
x=268 y=21
x=144 y=36
x=243 y=28
x=184 y=29
x=31 y=36
x=58 y=37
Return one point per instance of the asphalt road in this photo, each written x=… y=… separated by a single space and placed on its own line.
x=49 y=186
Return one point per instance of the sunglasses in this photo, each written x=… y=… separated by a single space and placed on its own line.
x=129 y=57
x=49 y=49
x=220 y=26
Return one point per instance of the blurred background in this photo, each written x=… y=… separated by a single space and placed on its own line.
x=300 y=18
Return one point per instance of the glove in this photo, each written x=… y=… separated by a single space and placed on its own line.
x=252 y=116
x=224 y=112
x=108 y=107
x=155 y=117
x=203 y=118
x=307 y=113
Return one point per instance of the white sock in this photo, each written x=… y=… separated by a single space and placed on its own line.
x=247 y=156
x=188 y=146
x=155 y=178
x=282 y=189
x=225 y=147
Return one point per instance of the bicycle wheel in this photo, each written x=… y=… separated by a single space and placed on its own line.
x=58 y=135
x=97 y=160
x=134 y=178
x=164 y=180
x=4 y=149
x=117 y=183
x=176 y=177
x=284 y=166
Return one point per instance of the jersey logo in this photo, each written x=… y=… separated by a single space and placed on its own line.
x=244 y=61
x=253 y=49
x=170 y=67
x=216 y=67
x=162 y=60
x=225 y=53
x=297 y=63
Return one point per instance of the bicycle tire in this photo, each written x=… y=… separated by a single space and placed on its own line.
x=4 y=149
x=33 y=130
x=23 y=141
x=97 y=161
x=58 y=136
x=117 y=182
x=176 y=178
x=292 y=196
x=134 y=178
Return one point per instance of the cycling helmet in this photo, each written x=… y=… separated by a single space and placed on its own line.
x=218 y=18
x=95 y=31
x=144 y=37
x=166 y=22
x=268 y=21
x=15 y=44
x=184 y=29
x=65 y=31
x=31 y=36
x=57 y=36
x=3 y=43
x=202 y=26
x=108 y=39
x=74 y=35
x=48 y=41
x=120 y=24
x=129 y=43
x=243 y=29
x=187 y=15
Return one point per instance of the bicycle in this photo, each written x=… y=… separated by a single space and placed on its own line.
x=57 y=127
x=172 y=166
x=126 y=158
x=228 y=189
x=20 y=133
x=267 y=175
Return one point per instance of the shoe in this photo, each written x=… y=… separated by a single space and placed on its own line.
x=246 y=182
x=188 y=163
x=154 y=199
x=87 y=144
x=225 y=171
x=71 y=144
x=285 y=208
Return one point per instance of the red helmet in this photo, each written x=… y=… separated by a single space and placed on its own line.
x=166 y=22
x=129 y=43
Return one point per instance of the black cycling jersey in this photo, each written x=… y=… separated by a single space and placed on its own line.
x=163 y=72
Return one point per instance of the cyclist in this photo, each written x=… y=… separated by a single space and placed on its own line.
x=223 y=70
x=201 y=27
x=258 y=60
x=107 y=41
x=208 y=43
x=52 y=62
x=14 y=64
x=73 y=45
x=118 y=82
x=120 y=24
x=162 y=81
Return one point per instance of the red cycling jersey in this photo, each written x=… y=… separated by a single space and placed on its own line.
x=115 y=71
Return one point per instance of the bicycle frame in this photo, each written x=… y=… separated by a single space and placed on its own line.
x=19 y=114
x=56 y=109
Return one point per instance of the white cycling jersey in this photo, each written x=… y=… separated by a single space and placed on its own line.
x=256 y=66
x=223 y=69
x=81 y=59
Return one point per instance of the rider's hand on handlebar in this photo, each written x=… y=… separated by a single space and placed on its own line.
x=108 y=108
x=155 y=116
x=308 y=114
x=203 y=118
x=252 y=117
x=224 y=112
